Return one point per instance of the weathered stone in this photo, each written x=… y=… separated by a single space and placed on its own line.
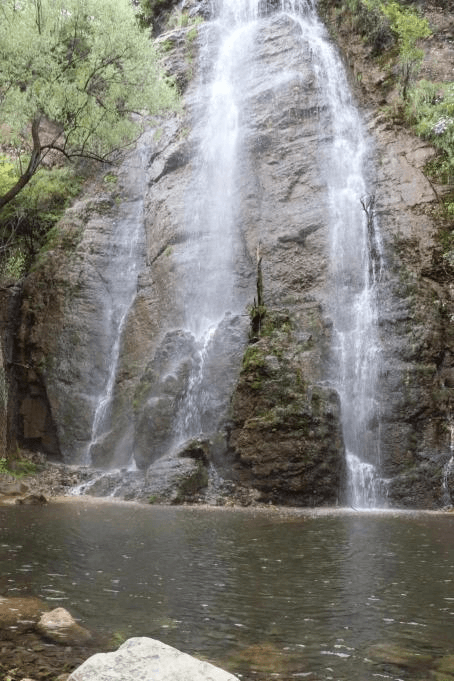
x=279 y=446
x=32 y=500
x=391 y=653
x=176 y=478
x=59 y=625
x=286 y=436
x=12 y=487
x=446 y=665
x=143 y=658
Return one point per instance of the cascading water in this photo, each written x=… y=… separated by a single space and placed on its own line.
x=355 y=250
x=211 y=219
x=121 y=281
x=448 y=471
x=356 y=265
x=356 y=268
x=209 y=262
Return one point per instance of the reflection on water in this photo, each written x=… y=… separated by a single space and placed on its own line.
x=343 y=596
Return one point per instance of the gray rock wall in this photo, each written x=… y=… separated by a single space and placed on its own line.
x=282 y=428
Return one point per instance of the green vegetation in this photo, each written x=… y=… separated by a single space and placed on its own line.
x=71 y=75
x=408 y=27
x=395 y=31
x=390 y=25
x=193 y=33
x=150 y=9
x=179 y=20
x=76 y=79
x=118 y=638
x=18 y=468
x=253 y=358
x=28 y=220
x=430 y=109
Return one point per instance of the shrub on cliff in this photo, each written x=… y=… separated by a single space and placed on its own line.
x=26 y=221
x=385 y=23
x=72 y=73
x=430 y=109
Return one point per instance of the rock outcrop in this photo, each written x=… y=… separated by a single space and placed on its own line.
x=286 y=433
x=272 y=421
x=143 y=658
x=416 y=303
x=59 y=625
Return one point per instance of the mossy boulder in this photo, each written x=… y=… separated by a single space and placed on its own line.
x=287 y=436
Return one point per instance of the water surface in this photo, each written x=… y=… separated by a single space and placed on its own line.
x=346 y=596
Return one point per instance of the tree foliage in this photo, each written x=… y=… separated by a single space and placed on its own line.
x=408 y=27
x=25 y=221
x=430 y=108
x=389 y=23
x=83 y=65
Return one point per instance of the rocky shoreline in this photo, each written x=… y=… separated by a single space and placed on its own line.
x=39 y=644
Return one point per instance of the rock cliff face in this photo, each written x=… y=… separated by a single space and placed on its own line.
x=416 y=303
x=270 y=419
x=416 y=330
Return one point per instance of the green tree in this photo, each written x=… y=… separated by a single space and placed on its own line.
x=75 y=78
x=409 y=27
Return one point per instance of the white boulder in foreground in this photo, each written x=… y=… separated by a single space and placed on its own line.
x=145 y=659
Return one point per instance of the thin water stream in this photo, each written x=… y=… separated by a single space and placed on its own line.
x=121 y=280
x=356 y=266
x=266 y=594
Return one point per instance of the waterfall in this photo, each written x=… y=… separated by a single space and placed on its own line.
x=211 y=252
x=448 y=470
x=212 y=223
x=121 y=282
x=355 y=248
x=356 y=268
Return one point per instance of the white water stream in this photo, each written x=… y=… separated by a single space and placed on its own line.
x=448 y=470
x=355 y=249
x=211 y=217
x=356 y=268
x=121 y=280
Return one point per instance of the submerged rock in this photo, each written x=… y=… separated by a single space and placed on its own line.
x=146 y=658
x=59 y=625
x=394 y=654
x=18 y=615
x=32 y=500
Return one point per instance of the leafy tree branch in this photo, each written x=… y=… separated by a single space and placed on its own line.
x=81 y=65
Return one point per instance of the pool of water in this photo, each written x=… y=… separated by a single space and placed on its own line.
x=330 y=595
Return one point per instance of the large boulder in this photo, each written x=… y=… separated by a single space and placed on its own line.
x=286 y=435
x=146 y=658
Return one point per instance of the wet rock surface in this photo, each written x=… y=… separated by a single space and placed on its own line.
x=59 y=625
x=144 y=658
x=286 y=434
x=29 y=647
x=416 y=300
x=282 y=208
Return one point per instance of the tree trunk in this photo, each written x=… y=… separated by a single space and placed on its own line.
x=32 y=167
